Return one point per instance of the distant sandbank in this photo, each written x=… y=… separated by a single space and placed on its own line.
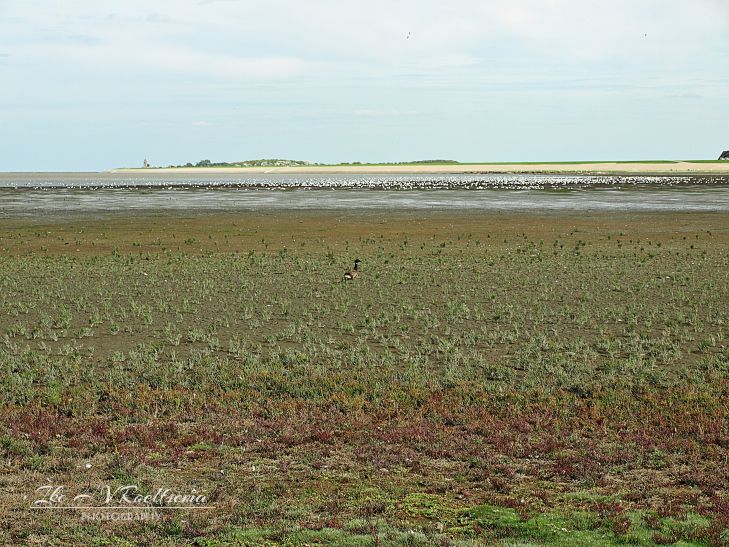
x=676 y=168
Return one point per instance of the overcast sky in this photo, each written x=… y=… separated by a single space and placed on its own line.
x=88 y=84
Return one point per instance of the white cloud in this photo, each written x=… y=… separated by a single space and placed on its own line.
x=154 y=58
x=282 y=38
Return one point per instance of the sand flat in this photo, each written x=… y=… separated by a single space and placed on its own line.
x=679 y=167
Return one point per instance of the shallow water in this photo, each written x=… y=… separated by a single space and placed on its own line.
x=50 y=194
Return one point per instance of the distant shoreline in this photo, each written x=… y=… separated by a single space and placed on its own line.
x=596 y=168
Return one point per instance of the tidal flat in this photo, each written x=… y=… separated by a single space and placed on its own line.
x=488 y=378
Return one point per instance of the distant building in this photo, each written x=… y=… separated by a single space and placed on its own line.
x=724 y=155
x=146 y=164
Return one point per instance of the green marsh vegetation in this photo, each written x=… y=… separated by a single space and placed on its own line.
x=506 y=378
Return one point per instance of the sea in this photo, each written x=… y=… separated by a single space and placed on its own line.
x=48 y=195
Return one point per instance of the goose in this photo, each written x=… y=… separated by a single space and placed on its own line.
x=354 y=272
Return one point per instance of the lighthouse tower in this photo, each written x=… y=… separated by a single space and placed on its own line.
x=146 y=164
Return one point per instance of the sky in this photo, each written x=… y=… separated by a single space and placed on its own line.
x=88 y=85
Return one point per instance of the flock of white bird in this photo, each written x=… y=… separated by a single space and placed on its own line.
x=373 y=182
